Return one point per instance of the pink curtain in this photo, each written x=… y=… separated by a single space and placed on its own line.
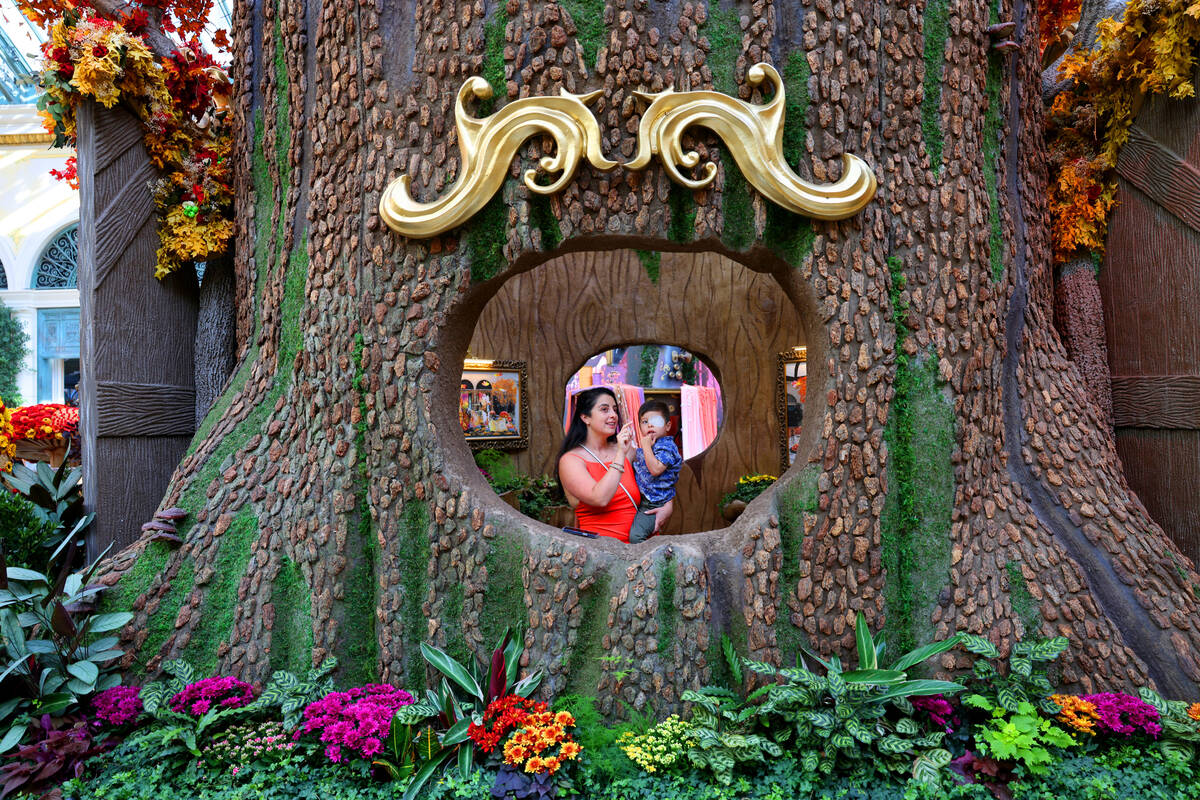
x=698 y=412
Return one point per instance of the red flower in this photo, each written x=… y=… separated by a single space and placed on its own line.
x=99 y=51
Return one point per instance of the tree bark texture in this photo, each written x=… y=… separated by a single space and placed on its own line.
x=337 y=509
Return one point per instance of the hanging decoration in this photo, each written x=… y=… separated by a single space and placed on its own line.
x=1150 y=51
x=753 y=134
x=181 y=99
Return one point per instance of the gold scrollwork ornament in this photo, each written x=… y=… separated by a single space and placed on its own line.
x=754 y=136
x=488 y=146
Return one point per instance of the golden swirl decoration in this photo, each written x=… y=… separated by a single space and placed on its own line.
x=754 y=136
x=488 y=147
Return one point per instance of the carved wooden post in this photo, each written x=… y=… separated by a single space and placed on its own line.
x=137 y=407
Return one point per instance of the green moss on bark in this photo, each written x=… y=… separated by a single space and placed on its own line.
x=493 y=58
x=583 y=665
x=292 y=633
x=991 y=157
x=543 y=218
x=504 y=595
x=137 y=578
x=591 y=32
x=414 y=587
x=682 y=226
x=667 y=612
x=915 y=534
x=214 y=624
x=1022 y=602
x=486 y=238
x=652 y=263
x=792 y=501
x=937 y=28
x=737 y=231
x=161 y=623
x=359 y=643
x=724 y=33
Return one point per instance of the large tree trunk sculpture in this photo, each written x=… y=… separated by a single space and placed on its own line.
x=959 y=476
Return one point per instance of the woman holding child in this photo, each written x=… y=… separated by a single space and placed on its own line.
x=595 y=468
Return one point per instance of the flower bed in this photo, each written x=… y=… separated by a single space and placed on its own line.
x=816 y=731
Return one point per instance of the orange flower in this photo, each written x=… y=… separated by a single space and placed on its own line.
x=564 y=719
x=1194 y=711
x=571 y=750
x=1077 y=713
x=535 y=765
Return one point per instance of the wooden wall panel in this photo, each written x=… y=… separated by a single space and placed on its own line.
x=137 y=402
x=1149 y=283
x=557 y=315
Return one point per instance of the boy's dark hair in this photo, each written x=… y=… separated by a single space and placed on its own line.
x=655 y=405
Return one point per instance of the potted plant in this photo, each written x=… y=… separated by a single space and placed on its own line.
x=746 y=489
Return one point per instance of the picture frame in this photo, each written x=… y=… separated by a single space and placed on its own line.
x=493 y=407
x=790 y=394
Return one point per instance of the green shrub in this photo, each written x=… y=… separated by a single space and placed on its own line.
x=23 y=532
x=13 y=347
x=1124 y=772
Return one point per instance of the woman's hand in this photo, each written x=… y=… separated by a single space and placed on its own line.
x=625 y=441
x=662 y=514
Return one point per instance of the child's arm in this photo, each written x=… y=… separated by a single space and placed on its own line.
x=655 y=464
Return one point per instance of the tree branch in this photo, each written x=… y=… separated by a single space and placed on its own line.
x=162 y=46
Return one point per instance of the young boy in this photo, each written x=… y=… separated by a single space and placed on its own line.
x=656 y=467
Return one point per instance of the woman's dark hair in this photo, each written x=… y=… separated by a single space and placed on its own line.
x=585 y=401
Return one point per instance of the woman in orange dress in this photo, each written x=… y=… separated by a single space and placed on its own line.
x=594 y=467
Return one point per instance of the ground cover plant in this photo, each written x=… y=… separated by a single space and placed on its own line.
x=874 y=730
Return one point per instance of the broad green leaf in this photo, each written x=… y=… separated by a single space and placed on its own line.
x=917 y=688
x=55 y=702
x=1049 y=649
x=13 y=737
x=85 y=671
x=908 y=726
x=452 y=670
x=109 y=622
x=894 y=745
x=882 y=677
x=865 y=642
x=1020 y=665
x=979 y=645
x=1010 y=698
x=928 y=766
x=457 y=733
x=841 y=740
x=921 y=654
x=417 y=786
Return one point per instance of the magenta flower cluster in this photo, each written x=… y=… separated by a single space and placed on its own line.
x=1124 y=714
x=198 y=698
x=356 y=721
x=938 y=709
x=118 y=705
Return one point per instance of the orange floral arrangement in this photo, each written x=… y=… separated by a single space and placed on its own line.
x=1151 y=50
x=8 y=445
x=180 y=100
x=1194 y=711
x=45 y=421
x=529 y=736
x=1077 y=713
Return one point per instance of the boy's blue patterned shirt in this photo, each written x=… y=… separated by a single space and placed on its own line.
x=658 y=489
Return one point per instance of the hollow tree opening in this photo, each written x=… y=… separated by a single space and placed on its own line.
x=557 y=316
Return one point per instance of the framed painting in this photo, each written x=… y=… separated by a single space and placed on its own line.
x=789 y=405
x=493 y=404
